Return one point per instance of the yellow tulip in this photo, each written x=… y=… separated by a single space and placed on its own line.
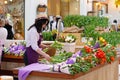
x=100 y=38
x=103 y=40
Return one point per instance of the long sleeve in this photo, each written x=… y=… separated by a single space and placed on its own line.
x=3 y=35
x=32 y=39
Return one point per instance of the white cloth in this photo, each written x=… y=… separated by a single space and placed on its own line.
x=32 y=38
x=3 y=37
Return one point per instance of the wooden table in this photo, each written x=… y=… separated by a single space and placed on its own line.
x=101 y=72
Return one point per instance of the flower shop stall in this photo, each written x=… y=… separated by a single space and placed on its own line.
x=102 y=72
x=92 y=62
x=12 y=57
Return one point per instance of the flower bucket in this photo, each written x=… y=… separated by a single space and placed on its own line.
x=69 y=47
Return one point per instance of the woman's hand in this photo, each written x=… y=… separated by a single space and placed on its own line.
x=47 y=57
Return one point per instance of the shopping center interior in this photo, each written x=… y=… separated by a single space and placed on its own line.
x=103 y=15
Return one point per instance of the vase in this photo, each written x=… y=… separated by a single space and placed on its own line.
x=69 y=47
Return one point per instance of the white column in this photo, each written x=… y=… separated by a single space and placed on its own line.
x=30 y=12
x=83 y=7
x=114 y=11
x=89 y=5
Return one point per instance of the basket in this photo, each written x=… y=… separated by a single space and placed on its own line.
x=51 y=51
x=40 y=9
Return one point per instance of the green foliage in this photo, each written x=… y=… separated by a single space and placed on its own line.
x=80 y=66
x=80 y=21
x=57 y=45
x=89 y=32
x=47 y=36
x=112 y=37
x=61 y=57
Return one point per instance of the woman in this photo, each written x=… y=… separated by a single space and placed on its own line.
x=3 y=36
x=34 y=39
x=9 y=30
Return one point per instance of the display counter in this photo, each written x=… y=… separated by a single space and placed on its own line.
x=12 y=58
x=9 y=62
x=101 y=72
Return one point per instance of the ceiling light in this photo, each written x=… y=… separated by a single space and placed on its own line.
x=117 y=3
x=5 y=2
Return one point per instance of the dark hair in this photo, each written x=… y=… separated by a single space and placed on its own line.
x=115 y=21
x=38 y=24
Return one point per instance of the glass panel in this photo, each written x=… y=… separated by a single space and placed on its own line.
x=14 y=14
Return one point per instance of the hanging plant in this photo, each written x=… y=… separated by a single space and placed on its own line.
x=41 y=8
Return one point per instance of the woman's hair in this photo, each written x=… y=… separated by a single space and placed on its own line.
x=38 y=23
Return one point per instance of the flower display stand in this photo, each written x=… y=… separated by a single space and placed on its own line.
x=9 y=62
x=100 y=72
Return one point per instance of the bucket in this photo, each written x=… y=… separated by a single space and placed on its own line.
x=69 y=47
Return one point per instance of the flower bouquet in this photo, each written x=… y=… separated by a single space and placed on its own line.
x=16 y=49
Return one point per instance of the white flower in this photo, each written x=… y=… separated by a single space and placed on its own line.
x=69 y=39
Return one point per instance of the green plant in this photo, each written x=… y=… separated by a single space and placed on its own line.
x=57 y=45
x=112 y=37
x=89 y=32
x=80 y=21
x=48 y=36
x=61 y=57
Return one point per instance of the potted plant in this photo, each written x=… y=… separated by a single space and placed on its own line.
x=41 y=8
x=68 y=42
x=89 y=34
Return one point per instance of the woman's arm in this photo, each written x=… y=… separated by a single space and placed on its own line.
x=43 y=46
x=34 y=39
x=43 y=54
